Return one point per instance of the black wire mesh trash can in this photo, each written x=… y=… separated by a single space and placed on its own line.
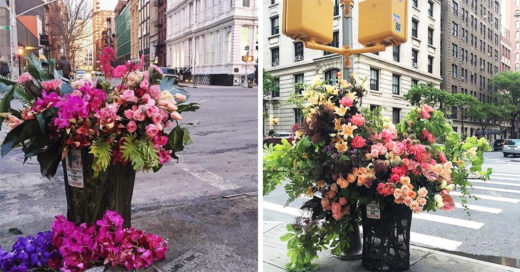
x=386 y=236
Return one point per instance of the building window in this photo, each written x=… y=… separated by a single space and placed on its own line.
x=298 y=116
x=454 y=29
x=430 y=8
x=415 y=54
x=454 y=50
x=336 y=7
x=273 y=2
x=455 y=8
x=332 y=76
x=374 y=79
x=275 y=56
x=298 y=81
x=276 y=91
x=275 y=25
x=453 y=89
x=430 y=64
x=334 y=43
x=373 y=107
x=245 y=3
x=430 y=36
x=454 y=71
x=415 y=82
x=397 y=53
x=396 y=115
x=415 y=26
x=396 y=84
x=298 y=51
x=416 y=3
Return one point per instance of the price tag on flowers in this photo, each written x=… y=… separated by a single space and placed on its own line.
x=373 y=211
x=75 y=168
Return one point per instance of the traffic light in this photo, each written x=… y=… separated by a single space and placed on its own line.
x=391 y=25
x=248 y=58
x=308 y=20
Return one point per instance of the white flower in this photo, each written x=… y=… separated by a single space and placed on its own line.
x=316 y=81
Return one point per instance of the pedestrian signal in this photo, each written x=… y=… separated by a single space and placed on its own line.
x=391 y=26
x=308 y=20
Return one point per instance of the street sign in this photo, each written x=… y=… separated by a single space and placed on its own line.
x=5 y=27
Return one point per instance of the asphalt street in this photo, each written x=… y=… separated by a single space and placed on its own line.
x=205 y=204
x=490 y=233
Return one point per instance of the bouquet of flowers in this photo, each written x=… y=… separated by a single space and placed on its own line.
x=344 y=156
x=134 y=122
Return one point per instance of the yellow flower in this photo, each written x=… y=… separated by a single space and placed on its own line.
x=309 y=192
x=331 y=90
x=337 y=124
x=328 y=105
x=298 y=134
x=350 y=95
x=341 y=146
x=344 y=84
x=314 y=99
x=340 y=110
x=316 y=81
x=348 y=130
x=320 y=184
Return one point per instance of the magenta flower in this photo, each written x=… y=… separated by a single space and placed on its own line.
x=120 y=71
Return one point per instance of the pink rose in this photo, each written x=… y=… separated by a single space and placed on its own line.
x=129 y=114
x=336 y=211
x=151 y=110
x=171 y=106
x=425 y=114
x=156 y=118
x=151 y=130
x=144 y=84
x=120 y=71
x=154 y=92
x=346 y=102
x=131 y=126
x=357 y=120
x=180 y=97
x=139 y=115
x=129 y=96
x=148 y=100
x=358 y=142
x=175 y=116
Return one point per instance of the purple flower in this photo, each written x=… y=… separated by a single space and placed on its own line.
x=28 y=253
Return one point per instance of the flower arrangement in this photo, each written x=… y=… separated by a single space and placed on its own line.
x=70 y=247
x=345 y=156
x=134 y=122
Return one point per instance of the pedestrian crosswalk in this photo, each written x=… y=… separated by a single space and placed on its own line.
x=495 y=197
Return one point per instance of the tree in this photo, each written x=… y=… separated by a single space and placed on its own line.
x=429 y=94
x=485 y=114
x=508 y=84
x=463 y=103
x=269 y=86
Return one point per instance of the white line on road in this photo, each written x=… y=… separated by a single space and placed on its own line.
x=495 y=182
x=502 y=178
x=497 y=189
x=434 y=241
x=282 y=209
x=479 y=208
x=499 y=175
x=208 y=177
x=448 y=220
x=488 y=197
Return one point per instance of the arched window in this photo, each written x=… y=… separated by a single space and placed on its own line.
x=332 y=76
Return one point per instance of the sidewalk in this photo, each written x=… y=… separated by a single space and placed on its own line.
x=202 y=86
x=422 y=259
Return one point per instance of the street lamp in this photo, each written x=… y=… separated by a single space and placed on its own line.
x=21 y=52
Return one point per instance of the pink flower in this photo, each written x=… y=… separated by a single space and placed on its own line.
x=336 y=211
x=442 y=157
x=120 y=71
x=425 y=114
x=164 y=156
x=11 y=121
x=180 y=97
x=156 y=118
x=175 y=116
x=129 y=114
x=148 y=100
x=24 y=77
x=144 y=84
x=139 y=115
x=428 y=136
x=325 y=203
x=51 y=85
x=151 y=110
x=151 y=130
x=171 y=106
x=129 y=96
x=346 y=102
x=357 y=120
x=385 y=189
x=131 y=126
x=154 y=92
x=427 y=108
x=358 y=142
x=156 y=69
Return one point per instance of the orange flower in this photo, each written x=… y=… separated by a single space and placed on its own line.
x=348 y=130
x=337 y=124
x=361 y=180
x=399 y=200
x=334 y=187
x=341 y=146
x=412 y=194
x=355 y=171
x=362 y=170
x=342 y=182
x=320 y=184
x=309 y=192
x=351 y=178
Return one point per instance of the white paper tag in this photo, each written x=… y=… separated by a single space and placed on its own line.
x=373 y=211
x=75 y=168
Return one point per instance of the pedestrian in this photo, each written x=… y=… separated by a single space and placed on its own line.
x=4 y=67
x=64 y=66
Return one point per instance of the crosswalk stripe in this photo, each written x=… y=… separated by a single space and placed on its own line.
x=502 y=178
x=434 y=241
x=495 y=174
x=282 y=209
x=497 y=189
x=449 y=220
x=495 y=183
x=479 y=208
x=488 y=197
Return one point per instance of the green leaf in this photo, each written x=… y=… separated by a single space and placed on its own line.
x=15 y=231
x=102 y=153
x=49 y=160
x=41 y=122
x=11 y=139
x=188 y=107
x=286 y=237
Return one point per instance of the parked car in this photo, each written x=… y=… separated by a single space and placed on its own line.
x=511 y=147
x=277 y=137
x=82 y=74
x=498 y=145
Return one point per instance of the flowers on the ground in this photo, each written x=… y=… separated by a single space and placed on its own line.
x=75 y=248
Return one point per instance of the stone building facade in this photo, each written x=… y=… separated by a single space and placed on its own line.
x=390 y=73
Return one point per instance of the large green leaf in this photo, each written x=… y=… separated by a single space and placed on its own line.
x=178 y=139
x=49 y=160
x=11 y=138
x=188 y=107
x=5 y=103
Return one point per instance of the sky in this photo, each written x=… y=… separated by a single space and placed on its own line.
x=108 y=4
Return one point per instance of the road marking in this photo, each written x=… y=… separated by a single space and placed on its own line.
x=497 y=189
x=448 y=220
x=282 y=209
x=494 y=178
x=505 y=175
x=488 y=197
x=208 y=177
x=479 y=208
x=434 y=241
x=495 y=183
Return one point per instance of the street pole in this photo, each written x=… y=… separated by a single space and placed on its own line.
x=13 y=37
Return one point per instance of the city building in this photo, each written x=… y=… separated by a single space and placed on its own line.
x=390 y=73
x=208 y=39
x=160 y=46
x=123 y=29
x=145 y=18
x=134 y=26
x=99 y=24
x=471 y=45
x=512 y=26
x=54 y=12
x=5 y=38
x=505 y=53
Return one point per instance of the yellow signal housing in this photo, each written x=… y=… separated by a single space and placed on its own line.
x=383 y=22
x=308 y=20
